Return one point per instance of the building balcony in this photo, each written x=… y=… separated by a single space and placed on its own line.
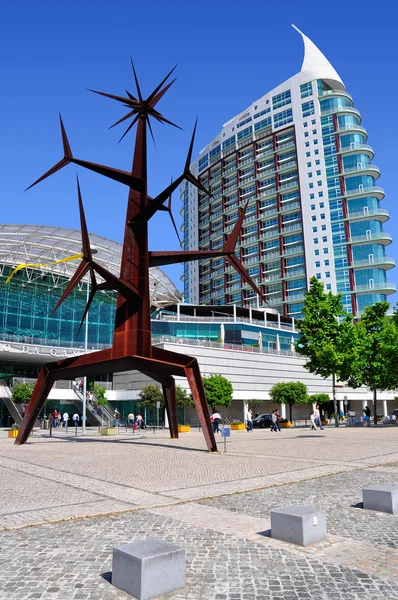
x=341 y=109
x=269 y=192
x=369 y=169
x=290 y=206
x=386 y=262
x=295 y=273
x=385 y=287
x=366 y=190
x=381 y=237
x=291 y=164
x=352 y=127
x=379 y=214
x=288 y=186
x=292 y=227
x=354 y=147
x=293 y=250
x=266 y=235
x=338 y=93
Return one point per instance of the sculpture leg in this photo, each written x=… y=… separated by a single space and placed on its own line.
x=43 y=387
x=199 y=397
x=169 y=392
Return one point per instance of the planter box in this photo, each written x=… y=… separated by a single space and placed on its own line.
x=184 y=428
x=285 y=425
x=109 y=431
x=13 y=433
x=238 y=427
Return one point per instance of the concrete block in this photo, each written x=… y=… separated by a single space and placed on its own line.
x=302 y=525
x=148 y=568
x=381 y=497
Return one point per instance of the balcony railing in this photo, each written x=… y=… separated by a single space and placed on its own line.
x=382 y=235
x=337 y=109
x=372 y=287
x=361 y=167
x=369 y=213
x=383 y=260
x=368 y=189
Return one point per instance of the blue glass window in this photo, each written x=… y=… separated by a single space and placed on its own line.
x=283 y=118
x=281 y=100
x=307 y=108
x=306 y=89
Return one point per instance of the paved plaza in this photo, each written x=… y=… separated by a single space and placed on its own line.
x=66 y=501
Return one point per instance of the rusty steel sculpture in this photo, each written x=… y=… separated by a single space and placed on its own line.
x=132 y=340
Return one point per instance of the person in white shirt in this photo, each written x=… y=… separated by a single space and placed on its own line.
x=317 y=416
x=65 y=418
x=249 y=420
x=75 y=419
x=216 y=419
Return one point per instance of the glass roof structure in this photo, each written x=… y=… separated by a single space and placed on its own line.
x=43 y=245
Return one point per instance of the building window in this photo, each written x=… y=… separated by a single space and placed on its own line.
x=318 y=162
x=316 y=252
x=311 y=185
x=324 y=239
x=313 y=218
x=306 y=134
x=319 y=183
x=313 y=121
x=312 y=206
x=323 y=227
x=281 y=100
x=305 y=124
x=307 y=144
x=327 y=274
x=326 y=250
x=316 y=151
x=306 y=90
x=283 y=118
x=318 y=173
x=321 y=204
x=308 y=165
x=314 y=132
x=323 y=216
x=315 y=142
x=326 y=262
x=316 y=241
x=312 y=196
x=308 y=154
x=328 y=287
x=315 y=230
x=309 y=174
x=307 y=108
x=320 y=194
x=318 y=264
x=318 y=275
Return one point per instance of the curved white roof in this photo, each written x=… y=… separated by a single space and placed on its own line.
x=43 y=244
x=316 y=65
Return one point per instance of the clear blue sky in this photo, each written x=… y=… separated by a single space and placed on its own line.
x=229 y=54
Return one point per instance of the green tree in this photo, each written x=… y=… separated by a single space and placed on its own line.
x=183 y=397
x=218 y=391
x=22 y=392
x=99 y=392
x=290 y=392
x=377 y=338
x=327 y=337
x=319 y=398
x=150 y=395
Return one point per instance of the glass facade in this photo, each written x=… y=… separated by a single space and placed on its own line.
x=26 y=304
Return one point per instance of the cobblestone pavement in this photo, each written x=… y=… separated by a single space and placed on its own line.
x=214 y=505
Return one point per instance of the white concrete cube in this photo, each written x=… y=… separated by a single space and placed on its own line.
x=148 y=568
x=302 y=525
x=381 y=497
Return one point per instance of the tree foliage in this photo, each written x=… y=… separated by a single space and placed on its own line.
x=319 y=398
x=377 y=341
x=99 y=392
x=290 y=392
x=218 y=391
x=183 y=397
x=150 y=395
x=327 y=337
x=22 y=392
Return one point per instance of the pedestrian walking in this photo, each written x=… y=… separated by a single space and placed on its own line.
x=116 y=418
x=130 y=419
x=249 y=420
x=65 y=418
x=317 y=416
x=367 y=412
x=275 y=424
x=216 y=419
x=75 y=419
x=139 y=421
x=313 y=424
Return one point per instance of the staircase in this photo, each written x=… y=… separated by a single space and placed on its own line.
x=92 y=417
x=14 y=409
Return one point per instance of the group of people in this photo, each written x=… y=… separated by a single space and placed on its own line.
x=136 y=422
x=316 y=420
x=58 y=420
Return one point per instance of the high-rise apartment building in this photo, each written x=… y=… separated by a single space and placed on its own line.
x=298 y=158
